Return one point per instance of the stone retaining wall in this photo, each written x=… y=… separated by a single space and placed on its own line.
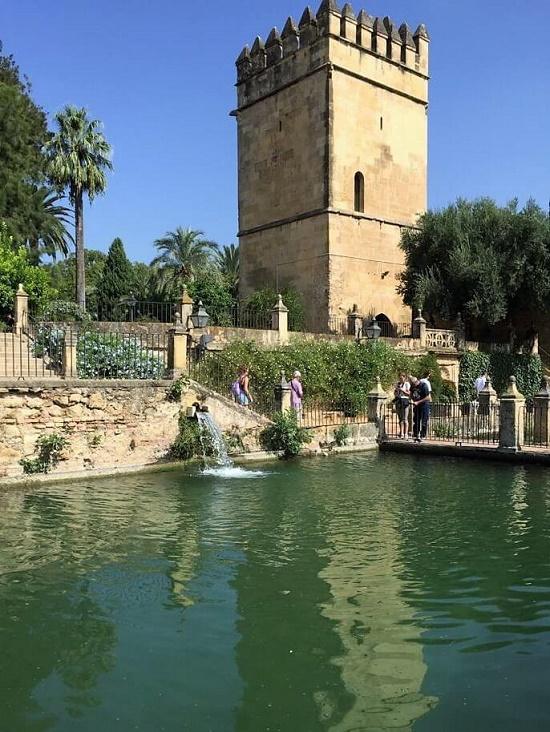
x=108 y=424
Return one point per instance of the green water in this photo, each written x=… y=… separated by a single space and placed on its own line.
x=365 y=593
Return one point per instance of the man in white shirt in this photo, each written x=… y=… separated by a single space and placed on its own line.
x=481 y=382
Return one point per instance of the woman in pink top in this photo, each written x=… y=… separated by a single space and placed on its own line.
x=296 y=392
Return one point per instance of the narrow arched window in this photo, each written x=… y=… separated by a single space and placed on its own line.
x=359 y=202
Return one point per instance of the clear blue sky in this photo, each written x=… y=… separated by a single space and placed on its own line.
x=160 y=76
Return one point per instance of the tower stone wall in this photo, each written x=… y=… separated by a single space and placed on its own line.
x=332 y=98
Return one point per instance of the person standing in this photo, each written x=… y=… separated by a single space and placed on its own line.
x=421 y=400
x=402 y=405
x=241 y=388
x=481 y=382
x=296 y=393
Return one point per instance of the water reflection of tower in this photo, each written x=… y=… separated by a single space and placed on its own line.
x=382 y=663
x=286 y=644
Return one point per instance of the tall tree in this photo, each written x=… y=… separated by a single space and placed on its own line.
x=183 y=253
x=486 y=262
x=117 y=281
x=228 y=260
x=48 y=226
x=23 y=133
x=78 y=158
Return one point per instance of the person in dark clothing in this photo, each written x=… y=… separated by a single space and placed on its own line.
x=421 y=401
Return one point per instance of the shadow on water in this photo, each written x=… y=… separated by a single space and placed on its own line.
x=360 y=593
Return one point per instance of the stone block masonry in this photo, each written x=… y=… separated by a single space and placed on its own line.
x=332 y=139
x=109 y=425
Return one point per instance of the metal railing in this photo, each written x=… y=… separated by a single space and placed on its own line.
x=395 y=330
x=241 y=316
x=134 y=311
x=453 y=422
x=319 y=413
x=49 y=350
x=536 y=427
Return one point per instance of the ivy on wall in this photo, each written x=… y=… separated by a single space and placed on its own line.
x=526 y=368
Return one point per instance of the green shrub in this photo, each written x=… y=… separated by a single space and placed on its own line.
x=61 y=311
x=342 y=435
x=263 y=302
x=177 y=389
x=526 y=368
x=113 y=356
x=285 y=435
x=448 y=392
x=189 y=443
x=48 y=449
x=341 y=372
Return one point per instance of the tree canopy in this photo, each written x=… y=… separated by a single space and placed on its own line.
x=15 y=269
x=117 y=280
x=78 y=158
x=483 y=261
x=182 y=254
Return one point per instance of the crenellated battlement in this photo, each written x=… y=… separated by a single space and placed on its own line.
x=280 y=55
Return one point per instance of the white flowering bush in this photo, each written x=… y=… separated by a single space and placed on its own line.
x=116 y=356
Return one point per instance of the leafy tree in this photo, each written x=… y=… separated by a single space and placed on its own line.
x=263 y=302
x=62 y=277
x=78 y=158
x=117 y=280
x=183 y=253
x=478 y=259
x=227 y=260
x=47 y=232
x=29 y=208
x=216 y=295
x=143 y=283
x=16 y=268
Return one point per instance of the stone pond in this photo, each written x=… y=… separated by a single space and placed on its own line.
x=367 y=592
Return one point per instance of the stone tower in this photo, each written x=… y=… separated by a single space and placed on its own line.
x=332 y=138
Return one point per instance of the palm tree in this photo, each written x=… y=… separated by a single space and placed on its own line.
x=78 y=158
x=48 y=226
x=227 y=260
x=183 y=253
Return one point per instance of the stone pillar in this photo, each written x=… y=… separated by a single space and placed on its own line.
x=279 y=320
x=512 y=418
x=282 y=395
x=355 y=323
x=184 y=308
x=21 y=314
x=178 y=338
x=70 y=342
x=460 y=330
x=487 y=398
x=377 y=399
x=541 y=415
x=419 y=329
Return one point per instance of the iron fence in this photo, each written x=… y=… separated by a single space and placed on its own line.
x=319 y=413
x=395 y=330
x=241 y=316
x=50 y=350
x=454 y=422
x=134 y=311
x=536 y=428
x=334 y=325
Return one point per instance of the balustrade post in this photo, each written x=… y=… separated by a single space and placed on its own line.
x=512 y=418
x=355 y=323
x=21 y=308
x=178 y=341
x=279 y=320
x=541 y=414
x=184 y=308
x=487 y=398
x=283 y=395
x=419 y=329
x=69 y=356
x=376 y=401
